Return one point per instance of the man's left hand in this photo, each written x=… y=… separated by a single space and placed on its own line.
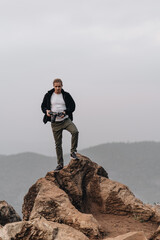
x=63 y=115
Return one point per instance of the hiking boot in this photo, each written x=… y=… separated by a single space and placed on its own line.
x=59 y=167
x=74 y=156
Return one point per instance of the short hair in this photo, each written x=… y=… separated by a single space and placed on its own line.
x=57 y=80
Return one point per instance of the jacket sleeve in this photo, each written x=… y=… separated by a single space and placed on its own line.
x=44 y=104
x=70 y=106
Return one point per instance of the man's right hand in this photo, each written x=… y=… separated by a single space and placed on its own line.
x=47 y=112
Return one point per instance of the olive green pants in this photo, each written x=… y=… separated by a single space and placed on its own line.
x=57 y=129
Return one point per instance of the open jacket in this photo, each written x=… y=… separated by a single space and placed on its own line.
x=46 y=104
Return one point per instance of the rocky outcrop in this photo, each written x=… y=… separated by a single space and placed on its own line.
x=60 y=197
x=65 y=205
x=7 y=214
x=71 y=195
x=130 y=236
x=86 y=186
x=40 y=229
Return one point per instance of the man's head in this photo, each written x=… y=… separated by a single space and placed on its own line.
x=57 y=84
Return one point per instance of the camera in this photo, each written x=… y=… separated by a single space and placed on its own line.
x=55 y=114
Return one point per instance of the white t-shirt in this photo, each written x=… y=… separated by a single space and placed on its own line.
x=58 y=105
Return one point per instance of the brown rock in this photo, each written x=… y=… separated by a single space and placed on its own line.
x=75 y=177
x=54 y=205
x=156 y=235
x=156 y=210
x=9 y=231
x=117 y=199
x=130 y=236
x=90 y=190
x=39 y=229
x=7 y=213
x=79 y=188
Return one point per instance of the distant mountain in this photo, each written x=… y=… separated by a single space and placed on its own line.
x=136 y=165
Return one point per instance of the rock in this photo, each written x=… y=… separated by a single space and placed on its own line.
x=116 y=198
x=60 y=197
x=130 y=236
x=156 y=210
x=10 y=230
x=74 y=179
x=90 y=190
x=156 y=235
x=39 y=229
x=7 y=214
x=54 y=205
x=79 y=190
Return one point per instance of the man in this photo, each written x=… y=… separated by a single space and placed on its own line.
x=58 y=107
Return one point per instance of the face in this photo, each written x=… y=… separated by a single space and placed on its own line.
x=57 y=87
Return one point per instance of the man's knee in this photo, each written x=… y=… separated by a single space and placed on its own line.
x=75 y=132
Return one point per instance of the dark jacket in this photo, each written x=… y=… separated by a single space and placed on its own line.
x=46 y=104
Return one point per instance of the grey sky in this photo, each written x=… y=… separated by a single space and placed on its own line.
x=107 y=54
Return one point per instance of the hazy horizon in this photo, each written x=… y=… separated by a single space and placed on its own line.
x=79 y=150
x=107 y=55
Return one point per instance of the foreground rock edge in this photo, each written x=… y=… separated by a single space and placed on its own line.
x=39 y=229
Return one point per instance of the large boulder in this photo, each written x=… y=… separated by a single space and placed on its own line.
x=53 y=204
x=39 y=229
x=79 y=190
x=7 y=214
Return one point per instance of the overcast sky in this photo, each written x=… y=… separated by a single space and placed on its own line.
x=107 y=52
